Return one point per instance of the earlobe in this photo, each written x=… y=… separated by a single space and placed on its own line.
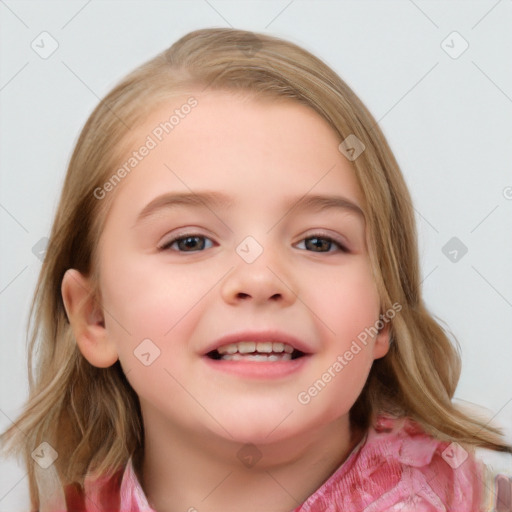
x=382 y=341
x=86 y=318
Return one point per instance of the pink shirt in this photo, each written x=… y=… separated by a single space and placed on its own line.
x=395 y=467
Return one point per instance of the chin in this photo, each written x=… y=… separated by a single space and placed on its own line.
x=271 y=423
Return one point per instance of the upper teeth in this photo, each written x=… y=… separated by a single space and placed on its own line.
x=247 y=347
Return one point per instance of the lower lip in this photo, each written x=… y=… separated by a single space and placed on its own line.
x=259 y=369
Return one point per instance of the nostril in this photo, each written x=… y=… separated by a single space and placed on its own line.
x=276 y=296
x=242 y=295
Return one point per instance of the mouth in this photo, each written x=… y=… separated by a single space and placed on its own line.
x=258 y=354
x=257 y=351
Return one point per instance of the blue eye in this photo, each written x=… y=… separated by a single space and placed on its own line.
x=189 y=243
x=320 y=244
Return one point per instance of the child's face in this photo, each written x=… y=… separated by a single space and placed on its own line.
x=255 y=261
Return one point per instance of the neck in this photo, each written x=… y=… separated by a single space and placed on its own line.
x=181 y=471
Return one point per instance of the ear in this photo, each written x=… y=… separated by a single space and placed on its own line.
x=86 y=318
x=381 y=346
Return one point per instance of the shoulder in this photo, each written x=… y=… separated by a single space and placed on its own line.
x=438 y=475
x=497 y=479
x=120 y=492
x=96 y=494
x=400 y=467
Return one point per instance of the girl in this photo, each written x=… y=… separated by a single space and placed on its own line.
x=229 y=315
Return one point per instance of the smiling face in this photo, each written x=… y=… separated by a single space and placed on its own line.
x=243 y=224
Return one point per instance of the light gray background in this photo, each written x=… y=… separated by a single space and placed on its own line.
x=448 y=120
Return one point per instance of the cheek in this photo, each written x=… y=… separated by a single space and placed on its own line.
x=340 y=374
x=150 y=322
x=141 y=293
x=348 y=307
x=346 y=301
x=141 y=304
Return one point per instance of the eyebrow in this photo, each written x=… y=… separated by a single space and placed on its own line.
x=216 y=200
x=325 y=202
x=209 y=200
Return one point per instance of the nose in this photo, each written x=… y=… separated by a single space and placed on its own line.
x=263 y=281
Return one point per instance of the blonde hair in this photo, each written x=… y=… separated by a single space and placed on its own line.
x=91 y=416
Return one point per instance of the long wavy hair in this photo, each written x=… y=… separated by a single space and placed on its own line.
x=91 y=416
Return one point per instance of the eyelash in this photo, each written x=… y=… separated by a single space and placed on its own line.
x=319 y=236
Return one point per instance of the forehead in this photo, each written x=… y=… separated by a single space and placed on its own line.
x=252 y=149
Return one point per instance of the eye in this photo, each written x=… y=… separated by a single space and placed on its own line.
x=188 y=243
x=321 y=244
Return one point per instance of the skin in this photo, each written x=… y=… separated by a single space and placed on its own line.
x=265 y=155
